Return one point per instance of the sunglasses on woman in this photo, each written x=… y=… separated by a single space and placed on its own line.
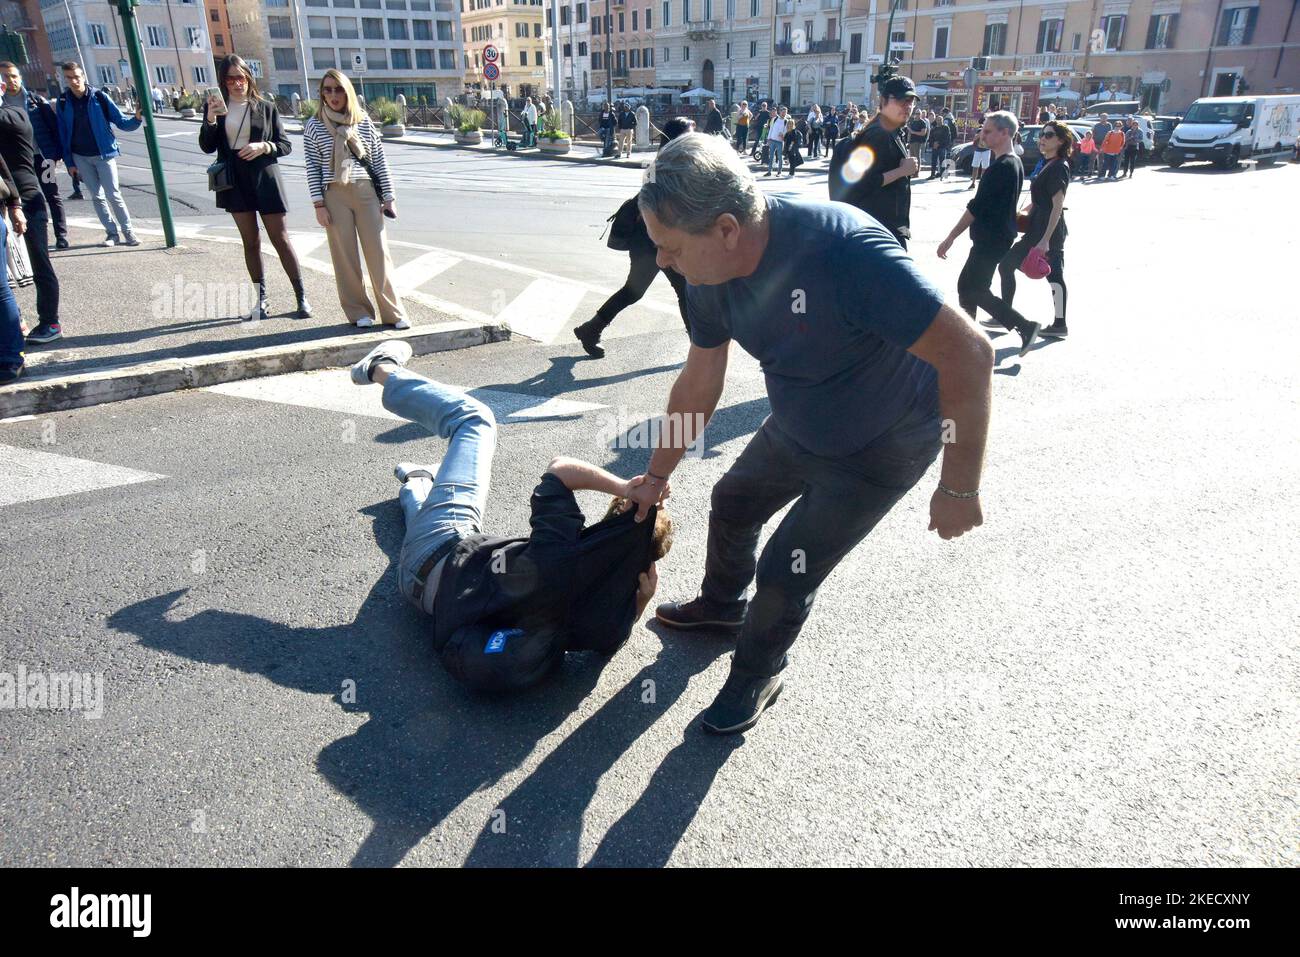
x=327 y=90
x=1046 y=135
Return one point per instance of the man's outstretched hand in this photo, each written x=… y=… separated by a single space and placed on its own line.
x=644 y=491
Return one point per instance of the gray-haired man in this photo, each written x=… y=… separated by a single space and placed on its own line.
x=862 y=358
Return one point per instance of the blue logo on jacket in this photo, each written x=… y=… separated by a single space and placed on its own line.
x=497 y=642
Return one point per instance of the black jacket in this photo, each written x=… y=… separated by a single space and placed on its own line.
x=17 y=146
x=713 y=121
x=891 y=204
x=264 y=127
x=627 y=120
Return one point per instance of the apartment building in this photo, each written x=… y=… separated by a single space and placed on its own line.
x=807 y=60
x=218 y=30
x=174 y=35
x=623 y=46
x=515 y=28
x=408 y=47
x=575 y=49
x=720 y=45
x=41 y=71
x=1165 y=53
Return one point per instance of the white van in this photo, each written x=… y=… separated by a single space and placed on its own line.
x=1228 y=129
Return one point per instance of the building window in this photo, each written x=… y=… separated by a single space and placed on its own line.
x=157 y=36
x=346 y=27
x=401 y=59
x=397 y=30
x=648 y=57
x=286 y=58
x=753 y=48
x=106 y=76
x=649 y=23
x=1160 y=32
x=523 y=58
x=372 y=28
x=537 y=58
x=376 y=59
x=1050 y=33
x=595 y=59
x=98 y=35
x=995 y=39
x=568 y=47
x=421 y=30
x=446 y=59
x=1237 y=28
x=319 y=28
x=1113 y=28
x=424 y=59
x=444 y=30
x=753 y=8
x=622 y=25
x=162 y=74
x=667 y=55
x=1077 y=42
x=582 y=13
x=278 y=28
x=322 y=58
x=634 y=26
x=667 y=19
x=635 y=59
x=200 y=74
x=686 y=53
x=582 y=48
x=216 y=16
x=219 y=41
x=940 y=43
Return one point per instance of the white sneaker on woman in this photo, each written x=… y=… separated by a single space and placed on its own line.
x=365 y=322
x=402 y=324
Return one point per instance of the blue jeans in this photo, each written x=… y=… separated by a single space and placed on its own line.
x=451 y=506
x=11 y=329
x=839 y=501
x=1112 y=165
x=775 y=151
x=100 y=177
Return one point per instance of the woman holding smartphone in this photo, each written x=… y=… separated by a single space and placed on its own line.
x=245 y=132
x=349 y=184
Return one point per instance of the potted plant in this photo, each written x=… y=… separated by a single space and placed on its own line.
x=307 y=109
x=389 y=115
x=189 y=105
x=469 y=124
x=552 y=138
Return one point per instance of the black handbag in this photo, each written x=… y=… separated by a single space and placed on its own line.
x=623 y=226
x=219 y=177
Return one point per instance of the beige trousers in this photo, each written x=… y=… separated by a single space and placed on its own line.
x=625 y=141
x=356 y=215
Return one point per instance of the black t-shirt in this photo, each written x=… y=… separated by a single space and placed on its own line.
x=919 y=129
x=891 y=204
x=583 y=580
x=1051 y=179
x=994 y=205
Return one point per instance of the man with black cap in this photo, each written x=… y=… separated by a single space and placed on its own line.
x=506 y=609
x=873 y=170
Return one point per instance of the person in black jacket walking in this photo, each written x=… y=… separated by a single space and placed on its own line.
x=641 y=250
x=18 y=147
x=45 y=128
x=249 y=137
x=878 y=179
x=991 y=217
x=940 y=144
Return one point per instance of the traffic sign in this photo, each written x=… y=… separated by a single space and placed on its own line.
x=491 y=72
x=874 y=58
x=358 y=63
x=490 y=54
x=900 y=45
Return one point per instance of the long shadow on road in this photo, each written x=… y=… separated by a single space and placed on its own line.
x=427 y=744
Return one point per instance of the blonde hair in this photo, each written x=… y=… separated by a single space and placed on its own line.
x=353 y=109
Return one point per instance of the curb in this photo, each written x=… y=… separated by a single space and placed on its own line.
x=39 y=396
x=516 y=154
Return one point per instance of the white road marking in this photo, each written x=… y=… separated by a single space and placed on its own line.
x=304 y=244
x=410 y=275
x=167 y=136
x=332 y=390
x=27 y=475
x=542 y=309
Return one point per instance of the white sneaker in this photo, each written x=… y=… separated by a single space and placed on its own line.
x=394 y=350
x=402 y=324
x=407 y=470
x=365 y=322
x=109 y=241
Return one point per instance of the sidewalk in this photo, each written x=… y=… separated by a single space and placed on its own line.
x=143 y=320
x=579 y=152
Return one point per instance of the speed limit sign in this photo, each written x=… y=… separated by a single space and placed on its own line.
x=490 y=54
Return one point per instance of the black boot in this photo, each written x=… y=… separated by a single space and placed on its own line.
x=260 y=308
x=304 y=307
x=589 y=335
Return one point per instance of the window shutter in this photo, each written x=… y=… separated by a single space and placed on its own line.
x=1249 y=33
x=1173 y=29
x=1224 y=25
x=1151 y=32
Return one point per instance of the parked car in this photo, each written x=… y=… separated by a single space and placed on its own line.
x=962 y=154
x=1164 y=129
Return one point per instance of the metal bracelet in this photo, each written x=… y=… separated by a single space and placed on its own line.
x=947 y=491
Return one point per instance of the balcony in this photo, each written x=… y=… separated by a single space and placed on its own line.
x=830 y=4
x=703 y=29
x=1047 y=61
x=816 y=46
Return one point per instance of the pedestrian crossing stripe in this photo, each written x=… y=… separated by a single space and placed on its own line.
x=27 y=475
x=332 y=390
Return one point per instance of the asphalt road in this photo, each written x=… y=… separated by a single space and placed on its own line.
x=1103 y=674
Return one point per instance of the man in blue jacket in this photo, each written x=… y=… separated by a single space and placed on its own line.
x=45 y=128
x=86 y=120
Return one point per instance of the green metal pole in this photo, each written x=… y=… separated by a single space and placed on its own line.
x=136 y=53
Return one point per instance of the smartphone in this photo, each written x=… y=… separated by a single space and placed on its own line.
x=214 y=94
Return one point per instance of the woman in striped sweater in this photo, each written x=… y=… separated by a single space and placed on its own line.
x=352 y=193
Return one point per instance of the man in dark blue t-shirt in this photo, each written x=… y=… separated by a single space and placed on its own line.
x=861 y=357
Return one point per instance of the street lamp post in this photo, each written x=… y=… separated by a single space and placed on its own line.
x=126 y=9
